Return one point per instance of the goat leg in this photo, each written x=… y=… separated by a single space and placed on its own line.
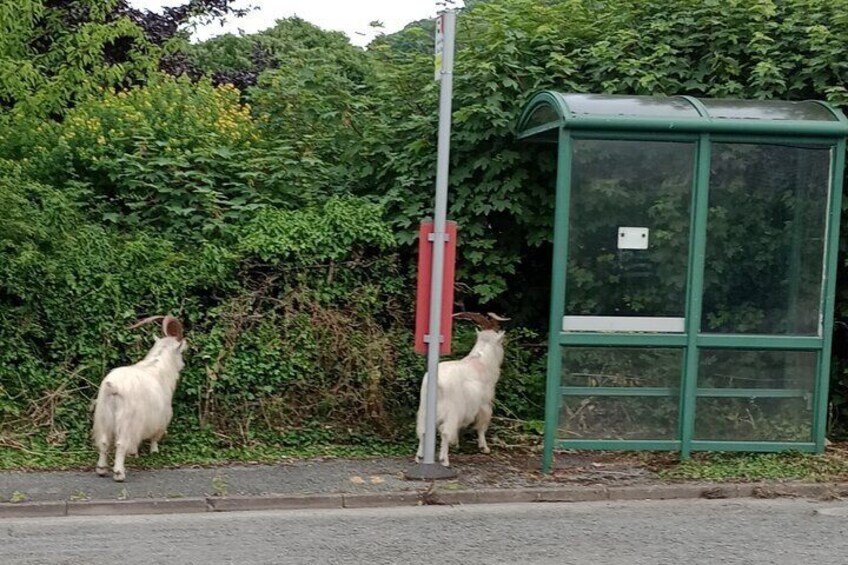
x=481 y=425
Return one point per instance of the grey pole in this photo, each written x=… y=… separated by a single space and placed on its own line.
x=429 y=469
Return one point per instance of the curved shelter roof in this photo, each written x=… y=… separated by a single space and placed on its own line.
x=548 y=110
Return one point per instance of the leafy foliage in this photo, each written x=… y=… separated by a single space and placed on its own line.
x=325 y=234
x=511 y=48
x=172 y=155
x=241 y=59
x=53 y=53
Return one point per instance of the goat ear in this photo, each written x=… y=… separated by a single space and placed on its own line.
x=501 y=335
x=172 y=327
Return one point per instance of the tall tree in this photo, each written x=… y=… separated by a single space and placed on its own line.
x=54 y=51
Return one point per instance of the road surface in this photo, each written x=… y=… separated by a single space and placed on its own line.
x=774 y=532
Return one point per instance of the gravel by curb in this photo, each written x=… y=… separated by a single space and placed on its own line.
x=821 y=491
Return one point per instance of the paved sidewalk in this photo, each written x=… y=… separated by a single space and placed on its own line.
x=317 y=476
x=306 y=477
x=345 y=483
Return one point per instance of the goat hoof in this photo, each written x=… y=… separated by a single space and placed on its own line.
x=485 y=450
x=103 y=471
x=119 y=476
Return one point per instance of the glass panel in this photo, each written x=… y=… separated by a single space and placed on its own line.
x=614 y=105
x=768 y=110
x=749 y=419
x=755 y=419
x=629 y=184
x=765 y=239
x=621 y=367
x=542 y=115
x=757 y=369
x=596 y=417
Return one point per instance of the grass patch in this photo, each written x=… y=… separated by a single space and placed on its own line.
x=829 y=466
x=173 y=456
x=187 y=449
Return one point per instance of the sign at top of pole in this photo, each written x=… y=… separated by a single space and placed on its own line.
x=440 y=45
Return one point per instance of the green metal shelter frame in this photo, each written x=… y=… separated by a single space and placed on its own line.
x=604 y=143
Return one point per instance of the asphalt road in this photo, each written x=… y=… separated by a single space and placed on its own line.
x=774 y=532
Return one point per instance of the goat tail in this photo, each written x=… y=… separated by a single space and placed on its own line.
x=422 y=407
x=105 y=407
x=422 y=404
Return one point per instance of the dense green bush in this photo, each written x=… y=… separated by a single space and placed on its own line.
x=291 y=331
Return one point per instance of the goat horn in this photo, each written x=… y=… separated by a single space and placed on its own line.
x=170 y=325
x=145 y=321
x=479 y=319
x=498 y=318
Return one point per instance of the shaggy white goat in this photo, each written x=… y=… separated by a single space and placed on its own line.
x=466 y=390
x=134 y=402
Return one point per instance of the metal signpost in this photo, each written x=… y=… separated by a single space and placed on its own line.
x=445 y=35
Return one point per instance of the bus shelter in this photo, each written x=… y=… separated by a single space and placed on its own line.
x=694 y=263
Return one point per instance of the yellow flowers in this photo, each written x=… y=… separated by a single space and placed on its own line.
x=176 y=113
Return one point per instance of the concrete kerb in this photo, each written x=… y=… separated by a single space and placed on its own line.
x=33 y=509
x=381 y=500
x=138 y=506
x=573 y=493
x=274 y=502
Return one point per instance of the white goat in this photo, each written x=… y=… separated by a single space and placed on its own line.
x=466 y=389
x=134 y=402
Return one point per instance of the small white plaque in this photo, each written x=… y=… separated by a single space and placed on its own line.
x=649 y=324
x=632 y=238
